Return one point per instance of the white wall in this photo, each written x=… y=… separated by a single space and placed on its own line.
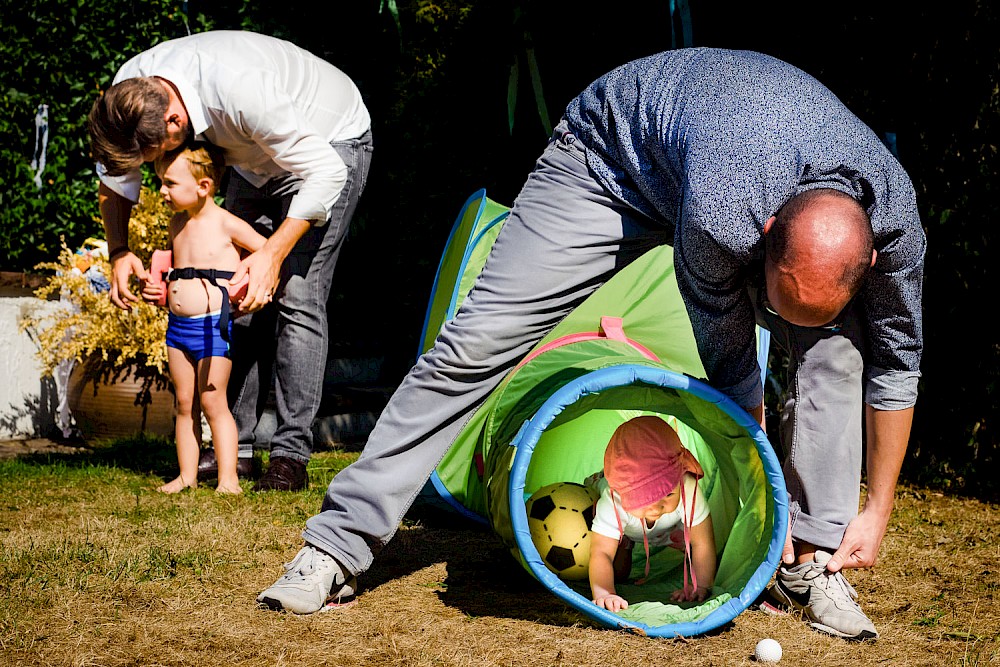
x=28 y=402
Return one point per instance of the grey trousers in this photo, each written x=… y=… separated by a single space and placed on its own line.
x=564 y=238
x=290 y=337
x=821 y=427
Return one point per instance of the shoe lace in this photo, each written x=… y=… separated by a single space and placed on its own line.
x=833 y=582
x=281 y=465
x=303 y=565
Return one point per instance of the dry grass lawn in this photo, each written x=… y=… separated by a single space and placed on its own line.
x=98 y=569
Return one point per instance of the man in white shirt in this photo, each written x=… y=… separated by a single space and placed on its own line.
x=297 y=137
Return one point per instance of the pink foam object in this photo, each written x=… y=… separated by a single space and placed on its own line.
x=239 y=290
x=159 y=265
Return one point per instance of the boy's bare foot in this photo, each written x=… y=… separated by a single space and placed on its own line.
x=229 y=488
x=177 y=485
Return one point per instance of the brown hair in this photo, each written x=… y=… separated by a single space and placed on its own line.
x=204 y=160
x=125 y=121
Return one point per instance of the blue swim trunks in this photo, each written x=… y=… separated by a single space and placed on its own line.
x=199 y=336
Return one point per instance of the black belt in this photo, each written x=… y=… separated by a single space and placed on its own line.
x=189 y=273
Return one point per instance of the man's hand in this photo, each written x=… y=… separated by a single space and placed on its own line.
x=788 y=552
x=264 y=266
x=264 y=271
x=861 y=542
x=122 y=267
x=758 y=414
x=115 y=212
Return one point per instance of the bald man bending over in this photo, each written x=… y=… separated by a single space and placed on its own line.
x=783 y=209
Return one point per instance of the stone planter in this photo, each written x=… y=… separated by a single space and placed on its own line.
x=109 y=410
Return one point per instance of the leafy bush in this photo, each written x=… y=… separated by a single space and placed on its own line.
x=108 y=342
x=437 y=88
x=62 y=53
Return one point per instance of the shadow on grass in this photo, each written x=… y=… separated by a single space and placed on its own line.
x=142 y=454
x=483 y=577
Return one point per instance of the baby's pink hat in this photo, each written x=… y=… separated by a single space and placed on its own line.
x=645 y=461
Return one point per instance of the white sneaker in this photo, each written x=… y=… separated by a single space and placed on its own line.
x=825 y=598
x=309 y=581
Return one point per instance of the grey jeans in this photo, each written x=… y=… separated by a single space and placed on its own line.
x=563 y=239
x=290 y=337
x=821 y=422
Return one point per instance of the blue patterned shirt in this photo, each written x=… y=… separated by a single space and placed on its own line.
x=711 y=143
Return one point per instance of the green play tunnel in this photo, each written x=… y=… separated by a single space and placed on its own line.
x=627 y=350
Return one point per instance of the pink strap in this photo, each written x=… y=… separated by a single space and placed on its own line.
x=610 y=328
x=645 y=546
x=688 y=560
x=689 y=572
x=645 y=539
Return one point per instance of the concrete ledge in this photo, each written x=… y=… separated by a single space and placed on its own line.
x=28 y=402
x=13 y=448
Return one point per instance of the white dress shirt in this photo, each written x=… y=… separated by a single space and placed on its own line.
x=271 y=106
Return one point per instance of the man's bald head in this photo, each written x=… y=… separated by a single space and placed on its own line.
x=819 y=248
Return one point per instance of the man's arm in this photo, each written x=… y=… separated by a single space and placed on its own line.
x=722 y=319
x=892 y=297
x=115 y=212
x=264 y=265
x=888 y=433
x=284 y=134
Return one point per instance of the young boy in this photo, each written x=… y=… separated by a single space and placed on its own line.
x=206 y=241
x=649 y=492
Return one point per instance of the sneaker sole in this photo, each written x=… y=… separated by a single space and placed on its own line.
x=790 y=602
x=274 y=605
x=768 y=603
x=864 y=635
x=337 y=605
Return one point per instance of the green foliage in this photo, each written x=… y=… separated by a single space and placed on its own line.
x=108 y=342
x=62 y=53
x=448 y=119
x=951 y=154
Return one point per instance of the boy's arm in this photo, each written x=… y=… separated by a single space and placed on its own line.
x=243 y=234
x=602 y=574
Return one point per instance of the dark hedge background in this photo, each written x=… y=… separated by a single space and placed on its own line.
x=437 y=86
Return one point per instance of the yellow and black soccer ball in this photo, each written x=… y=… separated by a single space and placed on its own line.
x=560 y=516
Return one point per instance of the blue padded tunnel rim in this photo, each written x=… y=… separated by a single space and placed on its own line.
x=453 y=503
x=622 y=375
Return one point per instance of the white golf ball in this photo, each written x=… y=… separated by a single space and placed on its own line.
x=768 y=650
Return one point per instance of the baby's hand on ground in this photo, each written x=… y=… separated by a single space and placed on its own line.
x=697 y=595
x=612 y=603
